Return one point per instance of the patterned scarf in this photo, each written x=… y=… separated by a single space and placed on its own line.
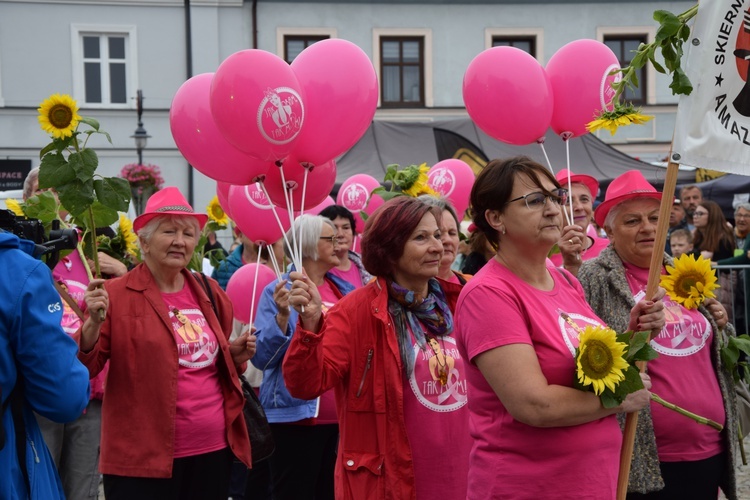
x=431 y=311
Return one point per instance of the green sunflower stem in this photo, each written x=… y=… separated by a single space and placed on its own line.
x=682 y=411
x=742 y=444
x=94 y=253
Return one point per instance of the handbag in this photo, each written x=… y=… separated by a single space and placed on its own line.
x=262 y=444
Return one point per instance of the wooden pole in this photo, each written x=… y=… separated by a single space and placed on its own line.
x=654 y=273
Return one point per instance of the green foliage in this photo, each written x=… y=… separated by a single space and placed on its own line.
x=730 y=356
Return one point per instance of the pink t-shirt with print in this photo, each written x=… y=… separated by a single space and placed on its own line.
x=510 y=459
x=683 y=374
x=351 y=276
x=199 y=419
x=437 y=419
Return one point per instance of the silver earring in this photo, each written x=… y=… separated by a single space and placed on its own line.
x=503 y=231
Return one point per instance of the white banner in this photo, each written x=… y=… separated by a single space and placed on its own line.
x=713 y=123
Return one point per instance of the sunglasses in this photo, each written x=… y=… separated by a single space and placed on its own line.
x=537 y=200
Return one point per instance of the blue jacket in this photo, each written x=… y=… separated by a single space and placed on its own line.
x=56 y=384
x=227 y=267
x=272 y=344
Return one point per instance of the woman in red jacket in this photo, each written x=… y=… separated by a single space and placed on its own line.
x=403 y=429
x=172 y=416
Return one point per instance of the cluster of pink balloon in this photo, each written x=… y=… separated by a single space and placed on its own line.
x=513 y=99
x=258 y=120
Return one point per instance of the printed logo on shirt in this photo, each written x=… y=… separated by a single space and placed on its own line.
x=437 y=381
x=195 y=347
x=70 y=320
x=683 y=334
x=571 y=325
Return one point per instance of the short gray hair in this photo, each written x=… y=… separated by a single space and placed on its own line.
x=306 y=229
x=28 y=183
x=442 y=203
x=743 y=206
x=147 y=231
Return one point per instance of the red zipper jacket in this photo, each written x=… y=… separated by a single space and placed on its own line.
x=138 y=410
x=356 y=353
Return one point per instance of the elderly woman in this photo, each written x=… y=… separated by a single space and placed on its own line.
x=305 y=430
x=403 y=419
x=518 y=323
x=673 y=457
x=350 y=268
x=579 y=241
x=449 y=237
x=172 y=418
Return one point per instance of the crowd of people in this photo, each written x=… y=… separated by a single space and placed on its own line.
x=433 y=364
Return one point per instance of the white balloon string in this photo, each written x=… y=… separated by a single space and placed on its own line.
x=567 y=163
x=304 y=192
x=275 y=215
x=255 y=284
x=290 y=212
x=549 y=165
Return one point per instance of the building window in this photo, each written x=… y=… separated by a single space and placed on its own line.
x=625 y=47
x=402 y=71
x=525 y=43
x=104 y=65
x=294 y=44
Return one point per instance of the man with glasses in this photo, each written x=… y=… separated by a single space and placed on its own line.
x=741 y=258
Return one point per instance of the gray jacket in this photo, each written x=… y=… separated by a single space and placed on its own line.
x=607 y=291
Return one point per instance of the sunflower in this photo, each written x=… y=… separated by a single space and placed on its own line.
x=601 y=359
x=129 y=238
x=416 y=181
x=690 y=281
x=14 y=207
x=58 y=115
x=620 y=116
x=216 y=214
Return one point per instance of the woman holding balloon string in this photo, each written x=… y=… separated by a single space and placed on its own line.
x=305 y=430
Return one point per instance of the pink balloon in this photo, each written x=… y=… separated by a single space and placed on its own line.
x=222 y=192
x=320 y=181
x=327 y=202
x=507 y=94
x=199 y=140
x=453 y=179
x=254 y=214
x=581 y=83
x=355 y=195
x=255 y=100
x=243 y=286
x=340 y=91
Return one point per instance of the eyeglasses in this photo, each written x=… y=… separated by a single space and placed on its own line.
x=537 y=201
x=699 y=214
x=331 y=239
x=742 y=216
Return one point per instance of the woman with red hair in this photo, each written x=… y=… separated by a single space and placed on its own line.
x=388 y=352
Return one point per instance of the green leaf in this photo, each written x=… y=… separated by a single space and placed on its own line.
x=684 y=33
x=681 y=83
x=55 y=171
x=84 y=164
x=658 y=67
x=670 y=25
x=46 y=149
x=76 y=196
x=637 y=341
x=113 y=193
x=42 y=206
x=609 y=400
x=90 y=122
x=742 y=342
x=104 y=216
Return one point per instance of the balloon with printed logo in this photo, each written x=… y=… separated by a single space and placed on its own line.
x=243 y=286
x=355 y=195
x=255 y=215
x=320 y=181
x=199 y=139
x=256 y=103
x=453 y=180
x=579 y=73
x=340 y=91
x=508 y=96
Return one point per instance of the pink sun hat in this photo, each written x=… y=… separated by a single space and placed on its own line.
x=627 y=186
x=167 y=201
x=590 y=182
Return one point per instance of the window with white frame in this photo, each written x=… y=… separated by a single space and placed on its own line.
x=624 y=41
x=403 y=62
x=291 y=41
x=104 y=66
x=530 y=40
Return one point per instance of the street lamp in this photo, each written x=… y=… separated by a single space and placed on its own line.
x=140 y=135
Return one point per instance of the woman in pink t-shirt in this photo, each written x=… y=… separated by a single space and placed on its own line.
x=579 y=241
x=673 y=457
x=535 y=435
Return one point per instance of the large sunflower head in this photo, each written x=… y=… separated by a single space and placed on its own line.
x=58 y=115
x=216 y=214
x=128 y=236
x=690 y=281
x=416 y=181
x=601 y=359
x=14 y=207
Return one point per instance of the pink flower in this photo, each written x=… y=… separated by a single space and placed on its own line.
x=142 y=175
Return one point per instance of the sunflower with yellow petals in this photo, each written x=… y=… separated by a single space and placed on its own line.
x=14 y=207
x=125 y=229
x=601 y=359
x=620 y=116
x=58 y=115
x=690 y=281
x=216 y=213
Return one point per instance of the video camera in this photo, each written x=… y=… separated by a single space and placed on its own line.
x=33 y=230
